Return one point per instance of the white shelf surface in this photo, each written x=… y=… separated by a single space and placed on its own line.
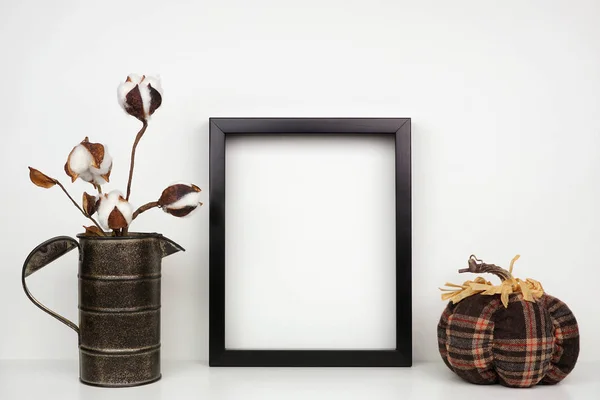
x=40 y=379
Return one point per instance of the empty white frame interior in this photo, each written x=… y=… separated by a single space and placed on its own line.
x=310 y=242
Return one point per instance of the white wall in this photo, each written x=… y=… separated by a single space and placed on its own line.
x=504 y=99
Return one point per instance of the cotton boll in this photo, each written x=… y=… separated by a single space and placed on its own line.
x=175 y=192
x=141 y=105
x=90 y=162
x=108 y=202
x=180 y=199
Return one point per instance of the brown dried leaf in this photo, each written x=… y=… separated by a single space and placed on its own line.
x=181 y=212
x=90 y=204
x=175 y=192
x=40 y=179
x=96 y=150
x=135 y=106
x=70 y=173
x=116 y=220
x=93 y=231
x=155 y=99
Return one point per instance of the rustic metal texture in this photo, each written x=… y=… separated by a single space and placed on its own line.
x=119 y=307
x=41 y=256
x=100 y=369
x=47 y=252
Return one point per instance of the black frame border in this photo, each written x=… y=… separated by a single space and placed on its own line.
x=401 y=356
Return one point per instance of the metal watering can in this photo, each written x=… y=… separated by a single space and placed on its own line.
x=119 y=303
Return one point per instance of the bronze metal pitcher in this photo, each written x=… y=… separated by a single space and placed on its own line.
x=119 y=303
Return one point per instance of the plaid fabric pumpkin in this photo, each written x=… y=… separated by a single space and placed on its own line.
x=516 y=342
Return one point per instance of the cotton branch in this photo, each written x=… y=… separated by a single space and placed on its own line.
x=135 y=143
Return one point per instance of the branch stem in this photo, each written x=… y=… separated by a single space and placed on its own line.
x=135 y=143
x=143 y=208
x=477 y=266
x=79 y=208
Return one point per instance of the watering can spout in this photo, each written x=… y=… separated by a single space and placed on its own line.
x=169 y=247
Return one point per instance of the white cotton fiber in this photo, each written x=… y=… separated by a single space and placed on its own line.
x=98 y=180
x=189 y=200
x=122 y=91
x=126 y=209
x=86 y=176
x=155 y=83
x=146 y=99
x=80 y=159
x=135 y=78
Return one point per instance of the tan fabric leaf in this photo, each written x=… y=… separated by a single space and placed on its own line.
x=534 y=285
x=493 y=290
x=530 y=288
x=40 y=179
x=448 y=296
x=526 y=293
x=463 y=294
x=480 y=287
x=506 y=290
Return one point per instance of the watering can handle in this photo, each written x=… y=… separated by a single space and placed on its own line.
x=41 y=256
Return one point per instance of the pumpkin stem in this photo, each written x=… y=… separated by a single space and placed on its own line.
x=477 y=266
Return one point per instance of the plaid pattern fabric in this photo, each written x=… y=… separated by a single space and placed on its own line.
x=522 y=345
x=566 y=340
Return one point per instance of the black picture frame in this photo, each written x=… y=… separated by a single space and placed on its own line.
x=401 y=356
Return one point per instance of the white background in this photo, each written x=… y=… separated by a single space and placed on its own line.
x=504 y=99
x=310 y=242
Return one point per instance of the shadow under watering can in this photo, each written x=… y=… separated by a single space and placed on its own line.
x=119 y=303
